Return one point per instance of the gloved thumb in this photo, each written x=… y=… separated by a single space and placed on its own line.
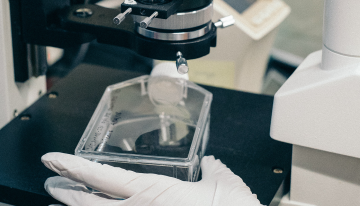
x=213 y=169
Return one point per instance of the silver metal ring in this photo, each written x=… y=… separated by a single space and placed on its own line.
x=177 y=36
x=184 y=20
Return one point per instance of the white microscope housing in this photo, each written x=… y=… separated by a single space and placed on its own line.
x=318 y=111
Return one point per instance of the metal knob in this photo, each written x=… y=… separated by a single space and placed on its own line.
x=225 y=22
x=120 y=17
x=181 y=64
x=147 y=21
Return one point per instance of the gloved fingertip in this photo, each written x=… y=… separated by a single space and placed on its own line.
x=49 y=159
x=50 y=184
x=60 y=162
x=50 y=165
x=51 y=156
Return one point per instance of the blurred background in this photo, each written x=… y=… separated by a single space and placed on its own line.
x=299 y=35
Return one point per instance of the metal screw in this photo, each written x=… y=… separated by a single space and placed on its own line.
x=181 y=64
x=120 y=17
x=278 y=171
x=16 y=113
x=25 y=117
x=225 y=22
x=83 y=12
x=53 y=95
x=147 y=21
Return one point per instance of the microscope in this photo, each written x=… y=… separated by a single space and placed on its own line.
x=173 y=30
x=34 y=121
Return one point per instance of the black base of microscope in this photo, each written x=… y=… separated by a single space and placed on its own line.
x=239 y=136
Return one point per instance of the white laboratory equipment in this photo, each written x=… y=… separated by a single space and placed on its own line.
x=317 y=110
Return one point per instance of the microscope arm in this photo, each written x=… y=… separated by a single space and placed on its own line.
x=101 y=25
x=58 y=23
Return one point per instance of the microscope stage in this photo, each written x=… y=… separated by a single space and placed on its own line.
x=239 y=136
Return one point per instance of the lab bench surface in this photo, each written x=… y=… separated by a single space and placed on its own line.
x=239 y=135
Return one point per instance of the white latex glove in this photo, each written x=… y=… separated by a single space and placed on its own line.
x=218 y=187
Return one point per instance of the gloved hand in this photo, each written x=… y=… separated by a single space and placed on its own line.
x=218 y=187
